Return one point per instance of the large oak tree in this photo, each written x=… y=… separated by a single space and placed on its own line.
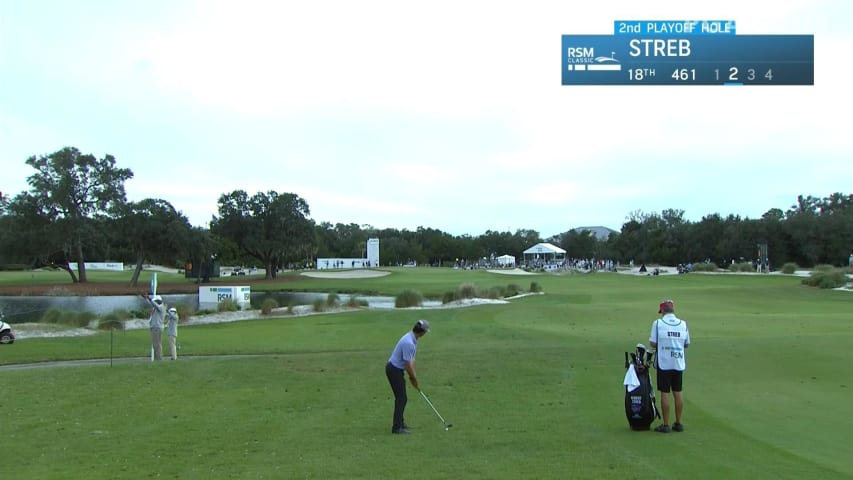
x=154 y=232
x=70 y=189
x=273 y=228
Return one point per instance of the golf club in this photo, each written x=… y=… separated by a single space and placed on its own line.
x=446 y=425
x=641 y=352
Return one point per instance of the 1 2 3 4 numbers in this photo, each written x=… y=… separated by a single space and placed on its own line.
x=735 y=75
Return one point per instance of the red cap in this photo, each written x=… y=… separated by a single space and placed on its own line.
x=666 y=304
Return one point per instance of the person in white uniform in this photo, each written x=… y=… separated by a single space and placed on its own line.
x=172 y=332
x=155 y=324
x=670 y=337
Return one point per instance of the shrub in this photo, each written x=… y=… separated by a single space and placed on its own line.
x=268 y=305
x=319 y=305
x=704 y=267
x=184 y=313
x=833 y=279
x=467 y=290
x=495 y=293
x=535 y=287
x=823 y=267
x=51 y=316
x=355 y=302
x=110 y=323
x=227 y=306
x=790 y=268
x=741 y=267
x=512 y=290
x=83 y=319
x=449 y=297
x=73 y=319
x=408 y=298
x=118 y=315
x=333 y=300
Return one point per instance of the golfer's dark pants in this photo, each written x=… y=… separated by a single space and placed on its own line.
x=398 y=386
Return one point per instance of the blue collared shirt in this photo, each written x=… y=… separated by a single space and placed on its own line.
x=404 y=351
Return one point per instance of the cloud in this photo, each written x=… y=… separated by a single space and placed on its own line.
x=449 y=115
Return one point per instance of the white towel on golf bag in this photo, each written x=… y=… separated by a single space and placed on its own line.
x=631 y=380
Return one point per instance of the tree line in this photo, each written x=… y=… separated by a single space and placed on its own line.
x=76 y=210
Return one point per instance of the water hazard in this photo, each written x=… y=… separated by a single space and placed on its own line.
x=21 y=309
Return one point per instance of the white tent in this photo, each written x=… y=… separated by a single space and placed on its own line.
x=544 y=253
x=506 y=261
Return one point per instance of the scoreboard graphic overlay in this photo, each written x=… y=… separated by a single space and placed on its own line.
x=686 y=52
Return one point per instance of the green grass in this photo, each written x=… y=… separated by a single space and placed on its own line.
x=533 y=388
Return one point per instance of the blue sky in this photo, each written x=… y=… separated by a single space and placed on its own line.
x=447 y=115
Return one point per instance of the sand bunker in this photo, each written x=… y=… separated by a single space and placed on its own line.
x=347 y=274
x=514 y=271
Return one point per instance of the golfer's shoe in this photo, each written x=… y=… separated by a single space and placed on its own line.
x=663 y=429
x=677 y=427
x=401 y=431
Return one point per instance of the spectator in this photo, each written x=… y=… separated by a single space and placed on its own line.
x=155 y=324
x=172 y=332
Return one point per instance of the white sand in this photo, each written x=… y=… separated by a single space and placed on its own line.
x=514 y=271
x=346 y=274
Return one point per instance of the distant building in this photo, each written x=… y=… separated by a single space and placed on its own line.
x=371 y=259
x=600 y=233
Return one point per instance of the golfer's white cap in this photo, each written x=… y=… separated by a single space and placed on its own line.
x=422 y=325
x=173 y=310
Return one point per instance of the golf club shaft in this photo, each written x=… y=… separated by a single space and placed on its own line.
x=432 y=407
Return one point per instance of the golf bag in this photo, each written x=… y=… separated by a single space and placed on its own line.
x=640 y=407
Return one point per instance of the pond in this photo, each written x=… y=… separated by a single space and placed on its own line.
x=22 y=309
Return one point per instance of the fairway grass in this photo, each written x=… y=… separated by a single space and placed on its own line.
x=533 y=389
